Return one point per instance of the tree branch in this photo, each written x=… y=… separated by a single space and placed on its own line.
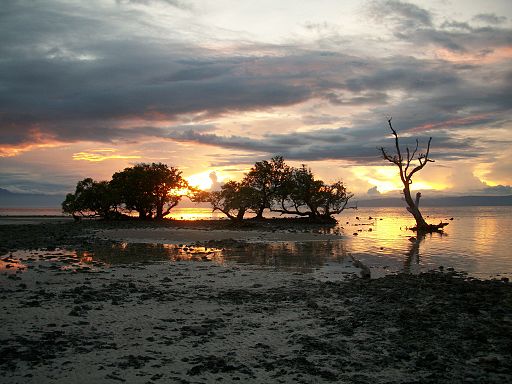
x=423 y=159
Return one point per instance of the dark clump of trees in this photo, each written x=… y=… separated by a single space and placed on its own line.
x=91 y=199
x=276 y=187
x=151 y=190
x=408 y=166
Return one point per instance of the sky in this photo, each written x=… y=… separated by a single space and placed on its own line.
x=88 y=88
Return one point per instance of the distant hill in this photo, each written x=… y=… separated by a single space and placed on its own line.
x=32 y=200
x=453 y=201
x=29 y=200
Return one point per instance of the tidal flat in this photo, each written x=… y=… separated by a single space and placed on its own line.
x=67 y=318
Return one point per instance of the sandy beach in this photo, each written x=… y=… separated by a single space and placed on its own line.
x=180 y=235
x=66 y=319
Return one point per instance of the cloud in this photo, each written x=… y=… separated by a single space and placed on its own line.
x=373 y=191
x=403 y=14
x=327 y=144
x=489 y=18
x=216 y=184
x=185 y=5
x=498 y=190
x=113 y=73
x=414 y=24
x=102 y=154
x=321 y=119
x=74 y=77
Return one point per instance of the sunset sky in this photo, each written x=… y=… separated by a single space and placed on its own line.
x=88 y=88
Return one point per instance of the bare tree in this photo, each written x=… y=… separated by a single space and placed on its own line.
x=407 y=168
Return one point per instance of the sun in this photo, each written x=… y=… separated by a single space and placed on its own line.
x=201 y=180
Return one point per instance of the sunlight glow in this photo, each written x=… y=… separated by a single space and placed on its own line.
x=204 y=179
x=386 y=179
x=491 y=56
x=101 y=154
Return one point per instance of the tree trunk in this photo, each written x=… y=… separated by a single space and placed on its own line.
x=240 y=214
x=413 y=208
x=259 y=214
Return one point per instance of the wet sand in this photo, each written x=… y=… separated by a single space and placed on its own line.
x=200 y=322
x=65 y=320
x=180 y=235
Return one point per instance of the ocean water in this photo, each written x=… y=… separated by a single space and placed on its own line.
x=478 y=240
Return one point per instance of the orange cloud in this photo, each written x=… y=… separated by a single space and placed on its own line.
x=496 y=55
x=101 y=154
x=457 y=122
x=38 y=139
x=15 y=150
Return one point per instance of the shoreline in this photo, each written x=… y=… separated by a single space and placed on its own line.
x=188 y=236
x=200 y=322
x=83 y=234
x=69 y=318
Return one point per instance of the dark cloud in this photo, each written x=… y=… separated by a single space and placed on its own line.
x=329 y=144
x=402 y=14
x=414 y=24
x=70 y=74
x=497 y=190
x=490 y=18
x=467 y=40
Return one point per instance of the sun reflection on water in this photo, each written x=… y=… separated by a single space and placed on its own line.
x=478 y=241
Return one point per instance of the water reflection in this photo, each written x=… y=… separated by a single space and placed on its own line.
x=412 y=257
x=295 y=256
x=477 y=241
x=194 y=214
x=11 y=264
x=128 y=253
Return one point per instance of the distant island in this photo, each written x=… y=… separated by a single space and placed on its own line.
x=10 y=199
x=449 y=201
x=32 y=200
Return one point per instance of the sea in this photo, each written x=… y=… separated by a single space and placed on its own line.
x=477 y=241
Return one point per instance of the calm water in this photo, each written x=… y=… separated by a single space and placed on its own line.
x=478 y=240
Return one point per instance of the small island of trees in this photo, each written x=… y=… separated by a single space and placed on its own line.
x=153 y=190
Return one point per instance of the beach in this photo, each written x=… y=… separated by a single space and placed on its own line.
x=66 y=318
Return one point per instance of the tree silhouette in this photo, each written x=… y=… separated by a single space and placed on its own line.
x=407 y=169
x=149 y=189
x=91 y=199
x=265 y=179
x=303 y=195
x=233 y=199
